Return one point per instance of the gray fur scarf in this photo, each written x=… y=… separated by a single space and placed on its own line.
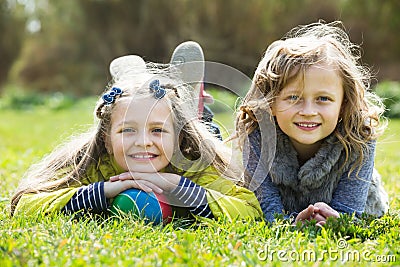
x=318 y=178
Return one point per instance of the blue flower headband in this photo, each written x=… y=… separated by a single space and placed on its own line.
x=110 y=97
x=157 y=89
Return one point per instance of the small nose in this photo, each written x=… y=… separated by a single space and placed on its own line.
x=143 y=139
x=307 y=108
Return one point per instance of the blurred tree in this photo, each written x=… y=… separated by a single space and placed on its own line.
x=49 y=54
x=12 y=27
x=79 y=38
x=375 y=24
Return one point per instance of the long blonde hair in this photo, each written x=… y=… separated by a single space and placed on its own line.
x=198 y=148
x=304 y=46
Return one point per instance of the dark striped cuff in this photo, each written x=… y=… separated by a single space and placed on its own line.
x=192 y=196
x=89 y=198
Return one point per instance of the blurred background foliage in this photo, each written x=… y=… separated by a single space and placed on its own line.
x=51 y=46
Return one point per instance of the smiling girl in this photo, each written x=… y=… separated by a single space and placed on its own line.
x=326 y=122
x=147 y=136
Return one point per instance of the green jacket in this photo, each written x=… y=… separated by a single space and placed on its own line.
x=224 y=197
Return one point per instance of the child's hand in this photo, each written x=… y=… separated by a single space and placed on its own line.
x=325 y=210
x=113 y=188
x=320 y=212
x=310 y=213
x=306 y=215
x=163 y=181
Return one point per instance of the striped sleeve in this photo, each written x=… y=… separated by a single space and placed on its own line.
x=89 y=198
x=192 y=196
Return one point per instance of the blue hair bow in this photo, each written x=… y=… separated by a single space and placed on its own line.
x=157 y=89
x=109 y=97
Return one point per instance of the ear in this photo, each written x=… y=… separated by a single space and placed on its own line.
x=272 y=109
x=342 y=108
x=107 y=143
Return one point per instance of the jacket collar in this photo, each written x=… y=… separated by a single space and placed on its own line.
x=287 y=171
x=108 y=166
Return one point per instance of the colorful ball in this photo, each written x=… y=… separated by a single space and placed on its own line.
x=153 y=207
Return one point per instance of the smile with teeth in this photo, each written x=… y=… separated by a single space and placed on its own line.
x=143 y=156
x=307 y=124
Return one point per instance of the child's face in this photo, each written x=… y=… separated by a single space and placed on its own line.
x=142 y=135
x=308 y=112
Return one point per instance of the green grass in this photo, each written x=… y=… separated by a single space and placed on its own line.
x=26 y=135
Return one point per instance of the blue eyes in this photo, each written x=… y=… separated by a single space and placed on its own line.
x=127 y=130
x=131 y=130
x=323 y=98
x=295 y=98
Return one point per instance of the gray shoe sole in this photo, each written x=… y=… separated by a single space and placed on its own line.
x=127 y=64
x=188 y=57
